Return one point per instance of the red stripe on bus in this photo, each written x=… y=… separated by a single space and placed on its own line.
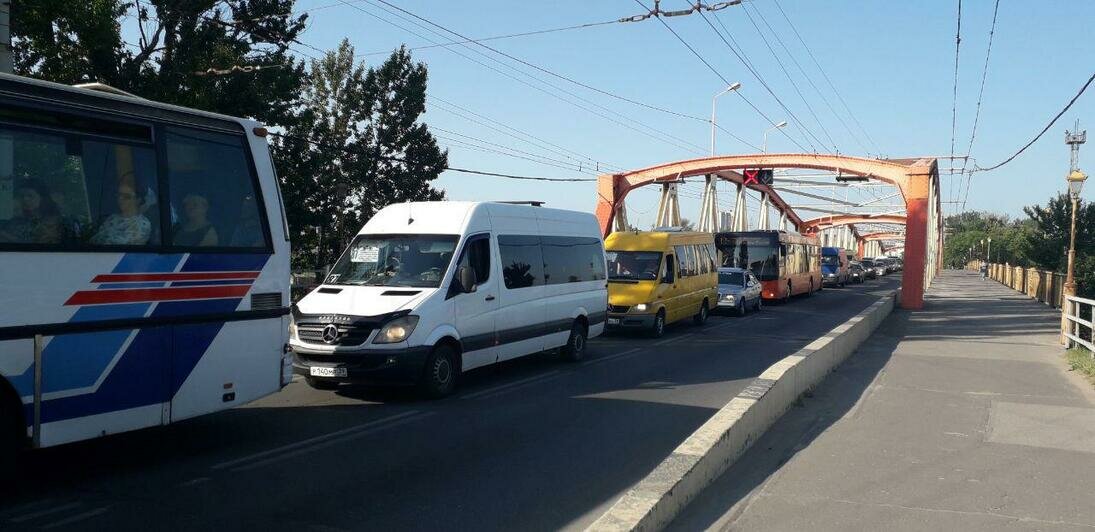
x=146 y=295
x=176 y=276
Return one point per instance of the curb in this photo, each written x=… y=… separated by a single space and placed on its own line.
x=654 y=501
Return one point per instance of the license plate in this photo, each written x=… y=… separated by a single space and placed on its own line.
x=613 y=321
x=327 y=372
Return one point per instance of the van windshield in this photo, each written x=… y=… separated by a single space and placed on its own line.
x=395 y=260
x=633 y=265
x=830 y=260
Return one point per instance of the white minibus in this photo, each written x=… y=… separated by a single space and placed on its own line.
x=428 y=290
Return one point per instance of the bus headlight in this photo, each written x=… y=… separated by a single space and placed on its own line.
x=397 y=330
x=641 y=307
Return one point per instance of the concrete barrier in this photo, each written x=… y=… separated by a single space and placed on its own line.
x=656 y=499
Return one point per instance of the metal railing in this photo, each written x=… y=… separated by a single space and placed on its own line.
x=1078 y=330
x=1043 y=285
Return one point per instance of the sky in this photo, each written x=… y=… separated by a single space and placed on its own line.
x=892 y=63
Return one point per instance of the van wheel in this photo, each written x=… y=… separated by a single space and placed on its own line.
x=575 y=349
x=759 y=305
x=321 y=384
x=701 y=317
x=441 y=372
x=658 y=330
x=740 y=309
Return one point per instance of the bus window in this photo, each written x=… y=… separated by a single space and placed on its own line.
x=70 y=191
x=213 y=198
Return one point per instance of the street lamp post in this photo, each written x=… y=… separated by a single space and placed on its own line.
x=1075 y=185
x=764 y=146
x=990 y=250
x=732 y=87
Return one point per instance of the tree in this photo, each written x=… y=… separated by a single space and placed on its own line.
x=1047 y=243
x=687 y=225
x=355 y=146
x=75 y=42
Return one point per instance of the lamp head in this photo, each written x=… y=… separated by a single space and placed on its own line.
x=1076 y=183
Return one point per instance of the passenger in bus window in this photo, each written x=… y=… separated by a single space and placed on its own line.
x=248 y=232
x=126 y=227
x=195 y=230
x=38 y=220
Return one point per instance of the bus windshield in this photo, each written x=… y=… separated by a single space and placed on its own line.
x=759 y=254
x=732 y=278
x=633 y=265
x=395 y=260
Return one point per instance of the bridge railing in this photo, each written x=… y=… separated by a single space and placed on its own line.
x=1046 y=286
x=1077 y=329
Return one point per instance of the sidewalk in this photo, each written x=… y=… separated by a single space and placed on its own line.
x=961 y=416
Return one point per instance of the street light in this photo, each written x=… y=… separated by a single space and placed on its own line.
x=733 y=87
x=764 y=147
x=1075 y=185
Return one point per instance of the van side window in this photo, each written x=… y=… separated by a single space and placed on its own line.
x=522 y=261
x=572 y=259
x=476 y=255
x=670 y=269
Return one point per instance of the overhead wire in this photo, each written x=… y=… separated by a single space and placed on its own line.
x=954 y=97
x=667 y=138
x=449 y=168
x=740 y=55
x=1043 y=132
x=829 y=81
x=499 y=37
x=722 y=77
x=977 y=111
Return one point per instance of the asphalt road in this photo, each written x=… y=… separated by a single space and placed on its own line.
x=533 y=444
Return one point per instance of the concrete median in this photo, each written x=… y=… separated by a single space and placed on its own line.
x=656 y=499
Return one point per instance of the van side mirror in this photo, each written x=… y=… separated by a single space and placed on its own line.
x=466 y=276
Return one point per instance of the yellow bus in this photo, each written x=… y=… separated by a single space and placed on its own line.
x=657 y=278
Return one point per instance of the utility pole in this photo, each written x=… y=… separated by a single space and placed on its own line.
x=5 y=37
x=1075 y=181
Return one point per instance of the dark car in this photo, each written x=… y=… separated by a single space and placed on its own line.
x=856 y=273
x=870 y=269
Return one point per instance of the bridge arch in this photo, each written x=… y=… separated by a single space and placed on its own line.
x=916 y=179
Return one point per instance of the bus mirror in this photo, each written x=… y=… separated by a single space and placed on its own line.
x=466 y=276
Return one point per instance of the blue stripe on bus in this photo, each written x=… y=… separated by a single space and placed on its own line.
x=147 y=263
x=105 y=286
x=225 y=262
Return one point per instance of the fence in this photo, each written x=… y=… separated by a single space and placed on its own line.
x=1045 y=286
x=1077 y=329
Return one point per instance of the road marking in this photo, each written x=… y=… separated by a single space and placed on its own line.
x=194 y=482
x=617 y=356
x=335 y=441
x=313 y=440
x=500 y=387
x=43 y=513
x=515 y=388
x=77 y=518
x=674 y=339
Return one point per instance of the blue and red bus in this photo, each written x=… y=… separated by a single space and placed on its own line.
x=787 y=264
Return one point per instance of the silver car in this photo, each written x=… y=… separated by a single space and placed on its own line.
x=739 y=290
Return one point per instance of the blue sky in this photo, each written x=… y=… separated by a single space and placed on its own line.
x=891 y=61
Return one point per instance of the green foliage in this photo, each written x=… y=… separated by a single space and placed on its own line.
x=358 y=120
x=80 y=41
x=1080 y=360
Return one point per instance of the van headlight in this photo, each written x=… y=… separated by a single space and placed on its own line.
x=292 y=327
x=396 y=331
x=641 y=307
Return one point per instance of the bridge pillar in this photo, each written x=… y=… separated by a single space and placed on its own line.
x=763 y=223
x=669 y=209
x=621 y=217
x=741 y=212
x=709 y=206
x=917 y=192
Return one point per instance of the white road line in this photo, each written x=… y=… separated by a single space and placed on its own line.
x=674 y=339
x=328 y=443
x=488 y=391
x=77 y=518
x=43 y=513
x=315 y=439
x=194 y=482
x=611 y=357
x=515 y=388
x=28 y=506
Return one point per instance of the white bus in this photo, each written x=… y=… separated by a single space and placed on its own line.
x=428 y=290
x=144 y=264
